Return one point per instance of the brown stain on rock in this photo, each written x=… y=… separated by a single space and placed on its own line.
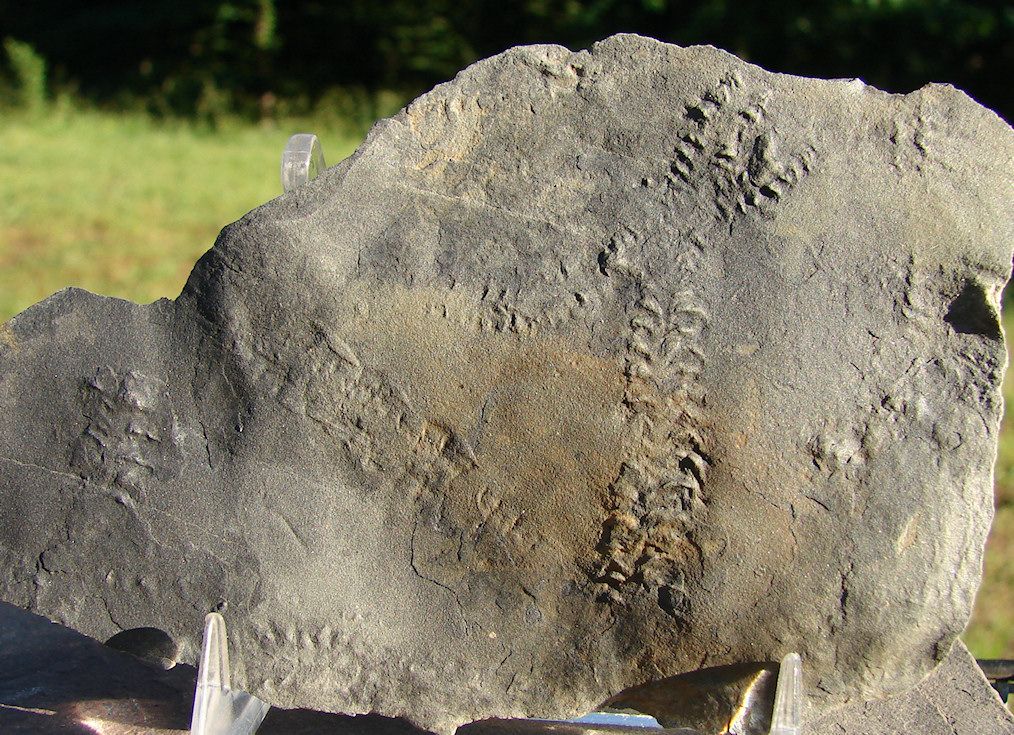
x=539 y=414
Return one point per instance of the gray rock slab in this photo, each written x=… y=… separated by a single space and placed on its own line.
x=585 y=370
x=955 y=699
x=54 y=681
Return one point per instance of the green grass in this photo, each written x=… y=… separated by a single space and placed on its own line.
x=123 y=206
x=990 y=633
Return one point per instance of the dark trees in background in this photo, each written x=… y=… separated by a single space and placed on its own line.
x=182 y=57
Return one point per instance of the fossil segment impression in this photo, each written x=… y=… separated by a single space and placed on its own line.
x=585 y=370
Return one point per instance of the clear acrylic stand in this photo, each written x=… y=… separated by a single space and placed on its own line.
x=787 y=716
x=302 y=160
x=218 y=708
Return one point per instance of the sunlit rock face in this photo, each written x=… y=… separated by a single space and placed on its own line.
x=586 y=370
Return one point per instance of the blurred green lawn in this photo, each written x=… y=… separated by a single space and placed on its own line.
x=123 y=206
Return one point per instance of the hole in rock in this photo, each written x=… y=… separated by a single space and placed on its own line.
x=149 y=644
x=971 y=313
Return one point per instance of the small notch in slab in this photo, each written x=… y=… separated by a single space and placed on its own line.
x=972 y=313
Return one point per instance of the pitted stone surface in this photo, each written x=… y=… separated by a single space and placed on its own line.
x=587 y=369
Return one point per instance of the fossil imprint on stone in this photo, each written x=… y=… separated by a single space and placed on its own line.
x=586 y=370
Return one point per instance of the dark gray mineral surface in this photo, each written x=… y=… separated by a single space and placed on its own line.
x=585 y=370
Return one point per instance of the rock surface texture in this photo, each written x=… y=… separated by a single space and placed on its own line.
x=54 y=681
x=587 y=369
x=955 y=699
